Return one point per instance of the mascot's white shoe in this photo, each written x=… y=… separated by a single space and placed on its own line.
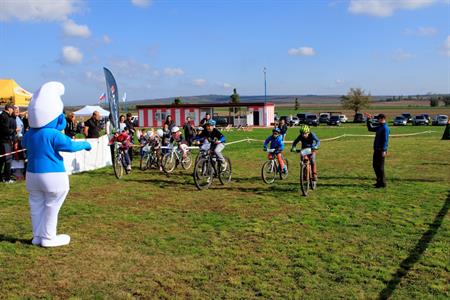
x=36 y=241
x=59 y=240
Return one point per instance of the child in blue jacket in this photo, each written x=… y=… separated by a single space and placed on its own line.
x=276 y=142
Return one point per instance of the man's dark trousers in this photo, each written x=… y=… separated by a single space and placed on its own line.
x=378 y=167
x=5 y=161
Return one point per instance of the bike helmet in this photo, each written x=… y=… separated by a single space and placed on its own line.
x=149 y=133
x=304 y=129
x=160 y=133
x=200 y=128
x=175 y=129
x=276 y=129
x=211 y=122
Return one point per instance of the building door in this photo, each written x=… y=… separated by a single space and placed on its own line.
x=256 y=118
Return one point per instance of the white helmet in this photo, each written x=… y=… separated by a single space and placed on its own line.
x=149 y=133
x=175 y=129
x=160 y=132
x=200 y=128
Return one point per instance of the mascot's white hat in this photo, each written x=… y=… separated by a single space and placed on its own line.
x=46 y=104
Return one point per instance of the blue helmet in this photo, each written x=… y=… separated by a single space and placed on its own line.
x=276 y=129
x=211 y=122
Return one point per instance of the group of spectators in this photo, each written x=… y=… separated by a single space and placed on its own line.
x=90 y=129
x=13 y=126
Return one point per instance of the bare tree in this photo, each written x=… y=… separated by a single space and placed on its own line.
x=356 y=99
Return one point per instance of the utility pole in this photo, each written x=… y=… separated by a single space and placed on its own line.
x=265 y=86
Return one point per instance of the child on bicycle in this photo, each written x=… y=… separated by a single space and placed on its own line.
x=177 y=137
x=276 y=142
x=125 y=143
x=216 y=139
x=308 y=140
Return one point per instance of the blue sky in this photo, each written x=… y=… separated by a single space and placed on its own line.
x=178 y=48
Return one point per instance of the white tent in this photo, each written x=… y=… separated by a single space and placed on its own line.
x=88 y=110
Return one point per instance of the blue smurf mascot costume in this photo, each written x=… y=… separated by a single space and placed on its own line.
x=47 y=181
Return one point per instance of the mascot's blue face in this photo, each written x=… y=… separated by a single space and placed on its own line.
x=59 y=123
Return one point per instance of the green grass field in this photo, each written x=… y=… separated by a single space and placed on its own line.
x=154 y=236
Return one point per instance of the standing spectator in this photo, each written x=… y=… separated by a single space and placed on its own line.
x=71 y=128
x=169 y=122
x=189 y=131
x=205 y=120
x=19 y=122
x=122 y=123
x=130 y=125
x=92 y=126
x=26 y=125
x=446 y=135
x=166 y=137
x=380 y=146
x=283 y=128
x=6 y=134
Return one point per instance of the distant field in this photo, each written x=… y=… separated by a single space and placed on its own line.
x=155 y=236
x=389 y=110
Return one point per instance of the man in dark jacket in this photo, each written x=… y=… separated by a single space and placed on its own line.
x=6 y=135
x=130 y=125
x=92 y=126
x=189 y=131
x=380 y=146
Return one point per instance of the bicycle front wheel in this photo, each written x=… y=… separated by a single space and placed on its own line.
x=117 y=165
x=144 y=162
x=304 y=179
x=225 y=174
x=186 y=163
x=203 y=173
x=269 y=172
x=169 y=162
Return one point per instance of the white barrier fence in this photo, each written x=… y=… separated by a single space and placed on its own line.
x=98 y=157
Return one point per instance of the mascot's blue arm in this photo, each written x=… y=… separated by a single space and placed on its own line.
x=65 y=144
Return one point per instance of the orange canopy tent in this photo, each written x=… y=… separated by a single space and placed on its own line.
x=11 y=92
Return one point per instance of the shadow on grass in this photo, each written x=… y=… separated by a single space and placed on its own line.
x=417 y=252
x=389 y=179
x=13 y=240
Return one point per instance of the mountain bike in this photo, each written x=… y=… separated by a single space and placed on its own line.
x=174 y=157
x=306 y=176
x=208 y=167
x=271 y=167
x=119 y=164
x=149 y=159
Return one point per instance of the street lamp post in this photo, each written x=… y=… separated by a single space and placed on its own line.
x=265 y=86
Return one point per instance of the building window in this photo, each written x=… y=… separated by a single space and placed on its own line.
x=160 y=116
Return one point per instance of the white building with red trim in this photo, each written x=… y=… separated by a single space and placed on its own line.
x=249 y=114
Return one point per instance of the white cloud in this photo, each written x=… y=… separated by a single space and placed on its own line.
x=141 y=3
x=71 y=55
x=421 y=31
x=36 y=10
x=339 y=81
x=446 y=46
x=302 y=51
x=385 y=8
x=70 y=28
x=106 y=39
x=226 y=85
x=402 y=55
x=173 y=72
x=199 y=82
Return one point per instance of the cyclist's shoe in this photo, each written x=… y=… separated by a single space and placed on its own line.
x=224 y=166
x=285 y=170
x=314 y=178
x=129 y=167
